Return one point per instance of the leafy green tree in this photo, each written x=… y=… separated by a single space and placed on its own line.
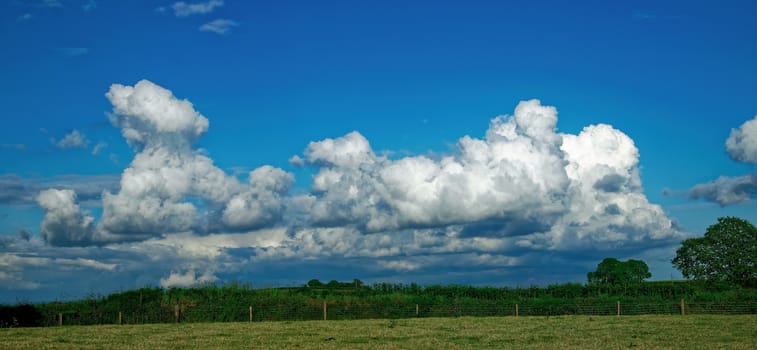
x=727 y=252
x=637 y=271
x=314 y=283
x=615 y=272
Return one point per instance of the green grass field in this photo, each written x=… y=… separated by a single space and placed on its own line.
x=563 y=332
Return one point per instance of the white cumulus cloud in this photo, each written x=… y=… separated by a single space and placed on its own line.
x=169 y=186
x=742 y=143
x=148 y=114
x=154 y=189
x=261 y=203
x=64 y=222
x=524 y=179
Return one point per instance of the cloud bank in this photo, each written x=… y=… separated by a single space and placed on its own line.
x=18 y=191
x=502 y=201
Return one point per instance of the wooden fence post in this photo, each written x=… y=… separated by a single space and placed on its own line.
x=618 y=307
x=250 y=313
x=120 y=318
x=60 y=319
x=176 y=312
x=416 y=310
x=324 y=310
x=516 y=310
x=683 y=308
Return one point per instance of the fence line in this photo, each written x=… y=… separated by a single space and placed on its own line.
x=341 y=310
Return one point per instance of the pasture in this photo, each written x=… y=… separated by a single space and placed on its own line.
x=563 y=332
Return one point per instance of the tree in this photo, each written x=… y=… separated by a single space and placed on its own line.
x=637 y=271
x=615 y=272
x=314 y=283
x=727 y=252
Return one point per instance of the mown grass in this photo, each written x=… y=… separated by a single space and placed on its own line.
x=563 y=332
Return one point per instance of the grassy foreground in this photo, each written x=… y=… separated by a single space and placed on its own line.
x=563 y=332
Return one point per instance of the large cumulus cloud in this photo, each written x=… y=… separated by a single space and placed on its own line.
x=523 y=179
x=169 y=186
x=150 y=115
x=516 y=169
x=260 y=204
x=511 y=199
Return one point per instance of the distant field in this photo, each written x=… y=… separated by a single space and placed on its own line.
x=563 y=332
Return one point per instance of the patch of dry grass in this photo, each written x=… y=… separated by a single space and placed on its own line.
x=564 y=332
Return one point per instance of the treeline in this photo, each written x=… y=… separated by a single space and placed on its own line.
x=656 y=290
x=348 y=300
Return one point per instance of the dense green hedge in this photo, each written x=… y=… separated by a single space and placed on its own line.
x=354 y=300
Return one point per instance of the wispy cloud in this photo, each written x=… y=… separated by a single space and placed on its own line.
x=89 y=6
x=219 y=26
x=73 y=51
x=643 y=16
x=42 y=3
x=52 y=3
x=98 y=148
x=15 y=190
x=16 y=146
x=183 y=9
x=25 y=17
x=726 y=190
x=74 y=139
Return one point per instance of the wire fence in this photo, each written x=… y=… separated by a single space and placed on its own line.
x=343 y=310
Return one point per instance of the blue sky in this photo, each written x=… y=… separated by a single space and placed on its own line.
x=262 y=181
